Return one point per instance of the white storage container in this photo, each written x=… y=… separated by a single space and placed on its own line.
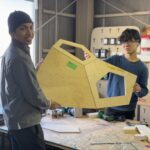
x=145 y=44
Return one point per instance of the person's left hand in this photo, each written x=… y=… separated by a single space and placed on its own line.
x=86 y=55
x=137 y=88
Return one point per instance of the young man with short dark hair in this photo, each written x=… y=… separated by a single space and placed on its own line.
x=22 y=99
x=130 y=40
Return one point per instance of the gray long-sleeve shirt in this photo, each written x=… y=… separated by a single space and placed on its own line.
x=22 y=99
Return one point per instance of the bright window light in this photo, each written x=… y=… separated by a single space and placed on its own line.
x=6 y=7
x=12 y=5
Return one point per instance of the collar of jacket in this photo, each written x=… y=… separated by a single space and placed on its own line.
x=22 y=46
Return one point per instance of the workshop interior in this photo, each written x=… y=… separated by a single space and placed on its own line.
x=64 y=32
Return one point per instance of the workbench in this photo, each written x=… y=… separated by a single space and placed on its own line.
x=109 y=134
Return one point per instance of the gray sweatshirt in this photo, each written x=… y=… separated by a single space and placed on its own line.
x=22 y=99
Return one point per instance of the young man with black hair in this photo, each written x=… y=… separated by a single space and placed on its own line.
x=22 y=99
x=130 y=40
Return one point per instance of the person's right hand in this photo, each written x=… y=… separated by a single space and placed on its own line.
x=86 y=55
x=137 y=88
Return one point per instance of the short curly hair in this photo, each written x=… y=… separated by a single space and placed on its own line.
x=130 y=35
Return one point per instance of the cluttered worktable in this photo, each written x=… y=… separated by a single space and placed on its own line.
x=89 y=134
x=84 y=133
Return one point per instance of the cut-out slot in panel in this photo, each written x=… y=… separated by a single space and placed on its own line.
x=72 y=50
x=76 y=80
x=113 y=90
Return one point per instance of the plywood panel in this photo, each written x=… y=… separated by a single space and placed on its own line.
x=72 y=82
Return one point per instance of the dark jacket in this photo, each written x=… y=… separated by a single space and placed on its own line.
x=22 y=99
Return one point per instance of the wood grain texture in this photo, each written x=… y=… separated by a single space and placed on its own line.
x=92 y=131
x=72 y=82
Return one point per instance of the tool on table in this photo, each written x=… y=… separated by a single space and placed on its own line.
x=103 y=115
x=57 y=113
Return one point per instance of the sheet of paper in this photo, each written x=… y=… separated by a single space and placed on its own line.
x=59 y=125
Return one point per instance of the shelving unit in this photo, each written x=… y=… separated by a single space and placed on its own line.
x=106 y=38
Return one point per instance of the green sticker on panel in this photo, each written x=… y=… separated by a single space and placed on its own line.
x=71 y=65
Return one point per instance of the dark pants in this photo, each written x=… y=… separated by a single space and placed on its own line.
x=30 y=138
x=117 y=113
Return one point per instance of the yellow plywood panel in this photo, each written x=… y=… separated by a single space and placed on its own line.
x=72 y=82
